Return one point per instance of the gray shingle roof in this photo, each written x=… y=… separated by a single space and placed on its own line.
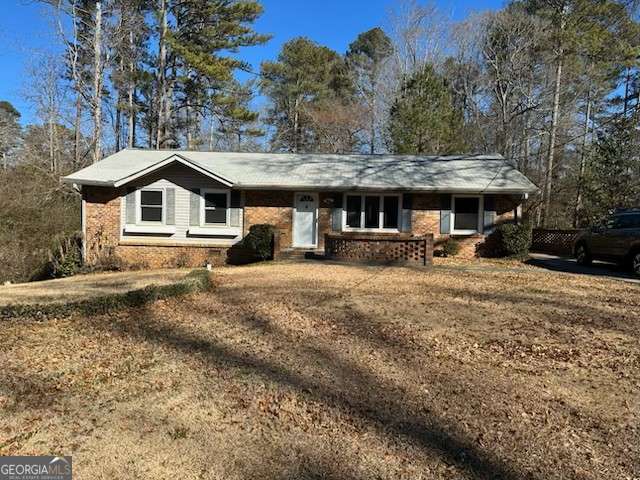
x=473 y=173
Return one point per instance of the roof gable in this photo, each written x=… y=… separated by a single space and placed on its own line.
x=175 y=158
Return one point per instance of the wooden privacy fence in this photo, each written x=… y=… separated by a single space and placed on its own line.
x=556 y=242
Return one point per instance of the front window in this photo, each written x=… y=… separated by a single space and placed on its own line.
x=372 y=212
x=216 y=208
x=151 y=205
x=466 y=215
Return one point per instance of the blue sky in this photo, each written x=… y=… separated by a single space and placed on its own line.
x=27 y=29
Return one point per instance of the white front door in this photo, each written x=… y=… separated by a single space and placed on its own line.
x=305 y=220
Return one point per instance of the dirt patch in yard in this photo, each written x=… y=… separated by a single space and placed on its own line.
x=82 y=287
x=307 y=371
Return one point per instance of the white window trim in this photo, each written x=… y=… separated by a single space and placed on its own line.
x=480 y=215
x=362 y=195
x=203 y=208
x=151 y=228
x=139 y=205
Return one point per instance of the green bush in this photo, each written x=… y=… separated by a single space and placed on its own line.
x=511 y=240
x=259 y=241
x=450 y=248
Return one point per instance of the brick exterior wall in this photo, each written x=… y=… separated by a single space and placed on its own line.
x=102 y=223
x=276 y=208
x=273 y=207
x=102 y=217
x=425 y=217
x=169 y=256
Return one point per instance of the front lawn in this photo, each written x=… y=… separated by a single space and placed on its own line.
x=318 y=371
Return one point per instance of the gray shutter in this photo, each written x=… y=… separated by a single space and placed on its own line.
x=130 y=207
x=336 y=213
x=406 y=213
x=445 y=213
x=489 y=222
x=235 y=214
x=194 y=208
x=170 y=216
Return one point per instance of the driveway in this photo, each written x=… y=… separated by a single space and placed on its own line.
x=569 y=265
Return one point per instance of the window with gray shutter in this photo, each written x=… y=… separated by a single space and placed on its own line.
x=336 y=213
x=194 y=208
x=489 y=223
x=407 y=212
x=445 y=213
x=236 y=209
x=171 y=206
x=130 y=206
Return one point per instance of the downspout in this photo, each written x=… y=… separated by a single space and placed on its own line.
x=83 y=224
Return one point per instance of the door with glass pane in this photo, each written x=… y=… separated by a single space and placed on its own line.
x=305 y=220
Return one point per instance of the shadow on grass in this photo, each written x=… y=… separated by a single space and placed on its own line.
x=347 y=389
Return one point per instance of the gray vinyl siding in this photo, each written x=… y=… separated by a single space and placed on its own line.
x=182 y=180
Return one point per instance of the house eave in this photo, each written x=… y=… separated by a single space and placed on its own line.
x=388 y=188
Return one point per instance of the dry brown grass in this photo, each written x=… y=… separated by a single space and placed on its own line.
x=320 y=371
x=82 y=287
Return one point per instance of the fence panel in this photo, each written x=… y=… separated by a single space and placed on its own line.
x=555 y=242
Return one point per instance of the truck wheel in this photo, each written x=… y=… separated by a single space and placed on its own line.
x=583 y=257
x=635 y=263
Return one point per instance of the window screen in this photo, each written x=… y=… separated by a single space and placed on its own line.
x=466 y=213
x=371 y=212
x=390 y=212
x=353 y=211
x=215 y=208
x=151 y=205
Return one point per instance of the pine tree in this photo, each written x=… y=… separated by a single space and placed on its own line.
x=423 y=119
x=304 y=75
x=612 y=172
x=194 y=65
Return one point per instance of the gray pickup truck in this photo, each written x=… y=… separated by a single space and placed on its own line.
x=616 y=239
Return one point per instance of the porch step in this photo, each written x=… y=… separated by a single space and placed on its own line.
x=299 y=253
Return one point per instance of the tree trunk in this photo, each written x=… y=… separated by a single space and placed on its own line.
x=117 y=127
x=211 y=131
x=583 y=160
x=131 y=86
x=189 y=134
x=52 y=154
x=131 y=117
x=548 y=178
x=97 y=85
x=296 y=126
x=76 y=133
x=162 y=65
